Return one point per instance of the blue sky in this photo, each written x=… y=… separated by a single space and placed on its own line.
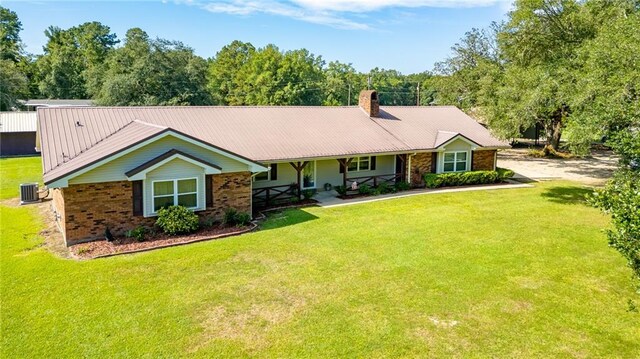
x=406 y=35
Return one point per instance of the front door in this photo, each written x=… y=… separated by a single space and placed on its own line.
x=309 y=175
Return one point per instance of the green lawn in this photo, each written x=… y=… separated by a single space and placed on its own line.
x=506 y=273
x=14 y=171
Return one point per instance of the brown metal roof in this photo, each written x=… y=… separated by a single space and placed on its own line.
x=74 y=137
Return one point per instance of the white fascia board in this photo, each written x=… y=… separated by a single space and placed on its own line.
x=460 y=137
x=208 y=170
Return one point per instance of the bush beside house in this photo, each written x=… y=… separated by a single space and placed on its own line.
x=177 y=219
x=433 y=180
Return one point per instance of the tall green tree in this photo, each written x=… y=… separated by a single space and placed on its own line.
x=342 y=84
x=607 y=97
x=460 y=77
x=153 y=72
x=225 y=71
x=394 y=88
x=272 y=77
x=13 y=85
x=608 y=104
x=13 y=81
x=10 y=43
x=71 y=66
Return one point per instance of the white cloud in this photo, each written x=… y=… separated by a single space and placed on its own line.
x=372 y=5
x=333 y=13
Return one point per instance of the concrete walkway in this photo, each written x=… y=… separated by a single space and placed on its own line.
x=329 y=199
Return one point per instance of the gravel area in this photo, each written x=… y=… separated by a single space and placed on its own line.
x=593 y=170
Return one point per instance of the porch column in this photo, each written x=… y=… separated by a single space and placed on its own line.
x=299 y=167
x=345 y=162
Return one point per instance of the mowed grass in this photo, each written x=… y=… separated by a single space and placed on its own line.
x=504 y=273
x=14 y=171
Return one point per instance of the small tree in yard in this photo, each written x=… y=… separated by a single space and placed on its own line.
x=621 y=199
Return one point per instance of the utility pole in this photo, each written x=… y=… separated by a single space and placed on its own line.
x=418 y=88
x=349 y=101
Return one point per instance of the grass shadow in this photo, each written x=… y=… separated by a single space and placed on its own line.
x=286 y=217
x=567 y=194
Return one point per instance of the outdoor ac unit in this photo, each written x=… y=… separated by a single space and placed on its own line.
x=29 y=193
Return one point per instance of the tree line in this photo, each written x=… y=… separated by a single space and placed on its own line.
x=566 y=66
x=89 y=61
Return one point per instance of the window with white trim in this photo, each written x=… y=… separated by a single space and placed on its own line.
x=182 y=192
x=455 y=161
x=360 y=164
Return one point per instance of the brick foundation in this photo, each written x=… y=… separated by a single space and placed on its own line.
x=483 y=160
x=86 y=210
x=421 y=163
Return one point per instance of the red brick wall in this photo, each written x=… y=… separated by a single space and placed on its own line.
x=483 y=160
x=231 y=190
x=420 y=164
x=91 y=208
x=88 y=209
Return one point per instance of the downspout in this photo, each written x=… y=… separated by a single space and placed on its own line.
x=409 y=168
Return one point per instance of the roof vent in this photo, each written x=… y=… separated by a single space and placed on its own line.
x=368 y=101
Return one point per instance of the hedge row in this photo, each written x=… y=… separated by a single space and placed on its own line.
x=433 y=180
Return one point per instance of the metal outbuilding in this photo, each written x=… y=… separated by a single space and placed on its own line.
x=18 y=133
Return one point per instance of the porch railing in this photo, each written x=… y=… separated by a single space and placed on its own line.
x=376 y=180
x=274 y=195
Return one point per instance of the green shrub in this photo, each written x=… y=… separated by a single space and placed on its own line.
x=177 y=219
x=229 y=217
x=365 y=189
x=342 y=190
x=308 y=193
x=402 y=186
x=137 y=233
x=384 y=187
x=234 y=218
x=242 y=219
x=207 y=222
x=433 y=180
x=504 y=173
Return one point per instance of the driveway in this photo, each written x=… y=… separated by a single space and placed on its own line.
x=593 y=170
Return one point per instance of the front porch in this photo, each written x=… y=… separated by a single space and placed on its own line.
x=290 y=182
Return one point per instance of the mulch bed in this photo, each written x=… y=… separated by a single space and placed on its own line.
x=122 y=245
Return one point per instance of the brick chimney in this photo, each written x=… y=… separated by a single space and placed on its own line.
x=368 y=101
